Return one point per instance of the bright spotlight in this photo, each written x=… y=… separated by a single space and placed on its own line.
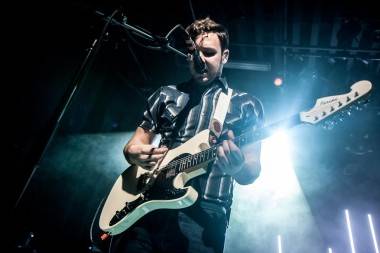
x=275 y=159
x=275 y=200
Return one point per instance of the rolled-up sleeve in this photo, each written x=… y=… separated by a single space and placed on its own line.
x=151 y=114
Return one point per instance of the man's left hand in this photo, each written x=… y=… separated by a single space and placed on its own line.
x=230 y=158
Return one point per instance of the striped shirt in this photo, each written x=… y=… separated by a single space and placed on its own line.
x=180 y=111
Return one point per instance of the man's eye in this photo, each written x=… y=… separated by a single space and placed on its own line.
x=208 y=54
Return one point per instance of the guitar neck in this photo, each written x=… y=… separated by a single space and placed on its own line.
x=189 y=162
x=253 y=136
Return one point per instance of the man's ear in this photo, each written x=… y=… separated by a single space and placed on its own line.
x=225 y=55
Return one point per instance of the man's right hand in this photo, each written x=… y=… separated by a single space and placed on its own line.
x=145 y=155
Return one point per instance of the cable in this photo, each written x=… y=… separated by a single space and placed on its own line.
x=192 y=10
x=93 y=220
x=110 y=246
x=130 y=35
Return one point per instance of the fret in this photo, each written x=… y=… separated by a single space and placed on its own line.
x=180 y=168
x=183 y=164
x=188 y=162
x=196 y=156
x=214 y=152
x=193 y=161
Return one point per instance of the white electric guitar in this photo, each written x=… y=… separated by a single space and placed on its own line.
x=137 y=191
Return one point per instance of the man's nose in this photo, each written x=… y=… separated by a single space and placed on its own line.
x=203 y=57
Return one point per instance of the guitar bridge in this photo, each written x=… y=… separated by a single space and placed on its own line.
x=129 y=207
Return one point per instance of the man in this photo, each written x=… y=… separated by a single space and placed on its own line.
x=177 y=113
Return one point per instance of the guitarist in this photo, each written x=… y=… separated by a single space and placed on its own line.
x=177 y=113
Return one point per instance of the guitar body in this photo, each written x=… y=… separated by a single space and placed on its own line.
x=167 y=193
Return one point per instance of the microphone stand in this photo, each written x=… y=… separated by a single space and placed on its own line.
x=81 y=73
x=66 y=100
x=162 y=41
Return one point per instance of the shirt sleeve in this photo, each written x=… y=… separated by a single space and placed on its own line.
x=254 y=113
x=247 y=114
x=152 y=111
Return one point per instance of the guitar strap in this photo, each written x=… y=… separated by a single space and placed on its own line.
x=217 y=121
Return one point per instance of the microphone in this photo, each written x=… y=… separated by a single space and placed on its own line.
x=199 y=65
x=179 y=34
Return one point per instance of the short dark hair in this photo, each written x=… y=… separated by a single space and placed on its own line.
x=208 y=25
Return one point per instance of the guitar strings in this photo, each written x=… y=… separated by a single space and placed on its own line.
x=176 y=162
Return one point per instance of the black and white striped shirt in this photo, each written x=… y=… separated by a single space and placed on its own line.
x=180 y=111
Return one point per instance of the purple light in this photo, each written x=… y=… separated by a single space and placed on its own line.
x=279 y=244
x=373 y=233
x=350 y=231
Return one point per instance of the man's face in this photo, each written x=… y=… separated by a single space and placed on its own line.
x=211 y=53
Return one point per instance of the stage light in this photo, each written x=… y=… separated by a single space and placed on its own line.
x=329 y=250
x=364 y=61
x=275 y=200
x=373 y=233
x=331 y=60
x=352 y=244
x=255 y=66
x=278 y=165
x=279 y=244
x=278 y=81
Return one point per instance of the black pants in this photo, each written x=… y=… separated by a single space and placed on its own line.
x=191 y=230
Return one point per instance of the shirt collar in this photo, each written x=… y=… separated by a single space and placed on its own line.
x=218 y=82
x=223 y=83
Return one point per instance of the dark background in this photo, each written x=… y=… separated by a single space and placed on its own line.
x=320 y=48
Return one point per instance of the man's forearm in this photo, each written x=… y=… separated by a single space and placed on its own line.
x=248 y=173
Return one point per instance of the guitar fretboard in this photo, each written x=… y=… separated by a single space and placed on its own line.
x=209 y=155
